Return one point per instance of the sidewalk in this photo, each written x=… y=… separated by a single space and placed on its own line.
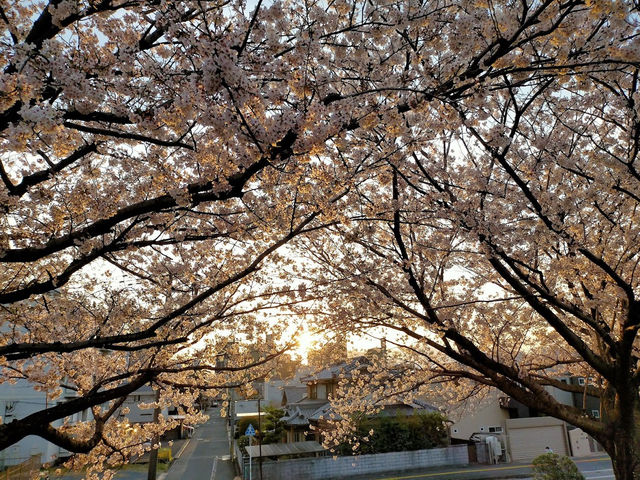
x=502 y=471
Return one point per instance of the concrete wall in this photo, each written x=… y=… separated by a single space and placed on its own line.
x=240 y=461
x=323 y=468
x=582 y=444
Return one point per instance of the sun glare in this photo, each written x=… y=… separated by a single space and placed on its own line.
x=305 y=342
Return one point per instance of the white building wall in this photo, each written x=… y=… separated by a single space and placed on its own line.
x=272 y=393
x=136 y=413
x=480 y=420
x=561 y=396
x=20 y=400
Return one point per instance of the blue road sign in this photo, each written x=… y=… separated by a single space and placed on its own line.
x=250 y=431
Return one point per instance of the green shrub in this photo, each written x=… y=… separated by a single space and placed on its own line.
x=273 y=426
x=551 y=466
x=243 y=441
x=399 y=433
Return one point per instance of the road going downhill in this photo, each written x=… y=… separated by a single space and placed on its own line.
x=206 y=456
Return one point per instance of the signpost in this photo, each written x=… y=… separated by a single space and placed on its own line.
x=250 y=432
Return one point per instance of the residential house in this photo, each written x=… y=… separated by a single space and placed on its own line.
x=144 y=395
x=20 y=399
x=314 y=408
x=292 y=394
x=522 y=431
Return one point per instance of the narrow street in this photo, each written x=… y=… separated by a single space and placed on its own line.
x=206 y=456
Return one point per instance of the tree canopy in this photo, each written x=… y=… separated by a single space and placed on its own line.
x=496 y=229
x=463 y=172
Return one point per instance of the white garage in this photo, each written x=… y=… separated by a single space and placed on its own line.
x=528 y=437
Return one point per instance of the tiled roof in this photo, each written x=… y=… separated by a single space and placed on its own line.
x=325 y=412
x=294 y=394
x=300 y=413
x=343 y=369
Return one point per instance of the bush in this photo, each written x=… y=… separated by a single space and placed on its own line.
x=399 y=433
x=551 y=466
x=243 y=441
x=273 y=426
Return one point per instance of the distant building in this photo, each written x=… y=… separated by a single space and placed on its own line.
x=136 y=414
x=20 y=400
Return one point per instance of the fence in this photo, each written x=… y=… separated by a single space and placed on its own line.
x=239 y=456
x=322 y=468
x=482 y=453
x=26 y=470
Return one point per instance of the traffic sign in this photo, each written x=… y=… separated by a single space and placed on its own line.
x=250 y=431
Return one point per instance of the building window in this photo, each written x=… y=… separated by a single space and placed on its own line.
x=581 y=380
x=322 y=391
x=313 y=391
x=331 y=390
x=595 y=413
x=495 y=429
x=9 y=410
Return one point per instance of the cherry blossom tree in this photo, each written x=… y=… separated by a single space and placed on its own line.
x=148 y=179
x=494 y=228
x=157 y=155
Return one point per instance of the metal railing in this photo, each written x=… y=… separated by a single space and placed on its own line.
x=26 y=470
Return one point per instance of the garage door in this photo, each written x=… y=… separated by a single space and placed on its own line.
x=528 y=438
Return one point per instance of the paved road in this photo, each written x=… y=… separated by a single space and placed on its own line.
x=206 y=456
x=593 y=468
x=203 y=457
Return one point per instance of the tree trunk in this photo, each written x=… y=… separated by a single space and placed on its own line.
x=625 y=457
x=623 y=439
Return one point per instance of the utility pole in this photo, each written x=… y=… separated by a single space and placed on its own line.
x=260 y=437
x=232 y=424
x=153 y=454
